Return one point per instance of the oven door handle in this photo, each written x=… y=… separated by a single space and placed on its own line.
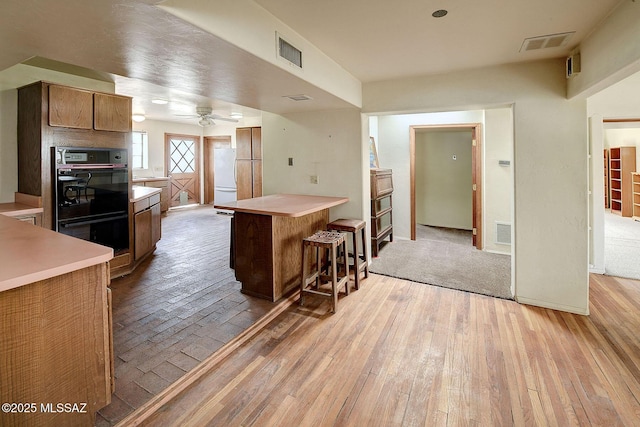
x=93 y=221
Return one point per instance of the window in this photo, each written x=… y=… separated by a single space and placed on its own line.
x=140 y=150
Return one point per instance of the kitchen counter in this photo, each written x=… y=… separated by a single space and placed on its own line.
x=29 y=254
x=18 y=209
x=267 y=235
x=161 y=182
x=55 y=334
x=289 y=205
x=140 y=193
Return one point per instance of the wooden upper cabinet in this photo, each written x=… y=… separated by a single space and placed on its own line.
x=111 y=112
x=70 y=107
x=243 y=143
x=249 y=162
x=256 y=143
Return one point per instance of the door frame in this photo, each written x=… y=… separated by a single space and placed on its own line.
x=209 y=144
x=167 y=162
x=476 y=173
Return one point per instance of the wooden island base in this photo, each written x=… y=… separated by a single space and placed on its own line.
x=267 y=239
x=268 y=261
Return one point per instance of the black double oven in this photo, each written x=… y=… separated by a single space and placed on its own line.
x=92 y=195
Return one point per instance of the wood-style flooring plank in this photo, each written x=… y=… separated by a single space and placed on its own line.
x=405 y=354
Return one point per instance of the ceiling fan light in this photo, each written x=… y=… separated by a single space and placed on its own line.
x=204 y=121
x=138 y=118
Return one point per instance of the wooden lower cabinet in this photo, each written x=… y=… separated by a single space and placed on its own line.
x=146 y=225
x=56 y=348
x=162 y=183
x=381 y=208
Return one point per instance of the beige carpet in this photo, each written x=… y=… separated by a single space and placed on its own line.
x=446 y=257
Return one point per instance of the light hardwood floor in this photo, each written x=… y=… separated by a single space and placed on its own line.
x=399 y=353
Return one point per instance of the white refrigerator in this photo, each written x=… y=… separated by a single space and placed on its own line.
x=224 y=170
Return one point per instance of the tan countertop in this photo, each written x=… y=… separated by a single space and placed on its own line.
x=149 y=178
x=17 y=209
x=140 y=193
x=290 y=205
x=29 y=253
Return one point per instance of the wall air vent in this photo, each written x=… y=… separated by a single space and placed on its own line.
x=503 y=233
x=289 y=52
x=544 y=42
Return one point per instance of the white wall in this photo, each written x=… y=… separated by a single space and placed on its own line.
x=497 y=187
x=443 y=184
x=327 y=144
x=550 y=254
x=11 y=79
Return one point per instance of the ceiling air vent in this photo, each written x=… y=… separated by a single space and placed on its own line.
x=289 y=52
x=300 y=97
x=544 y=42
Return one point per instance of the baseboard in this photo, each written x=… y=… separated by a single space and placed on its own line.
x=596 y=270
x=497 y=252
x=553 y=306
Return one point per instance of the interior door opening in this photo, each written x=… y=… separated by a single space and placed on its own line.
x=445 y=161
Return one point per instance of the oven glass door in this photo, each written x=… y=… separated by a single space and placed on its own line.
x=92 y=204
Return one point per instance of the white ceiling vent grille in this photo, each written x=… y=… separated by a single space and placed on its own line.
x=289 y=52
x=300 y=97
x=544 y=42
x=503 y=233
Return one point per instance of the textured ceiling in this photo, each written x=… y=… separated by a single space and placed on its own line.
x=380 y=40
x=149 y=52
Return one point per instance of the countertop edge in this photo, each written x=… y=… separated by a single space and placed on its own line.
x=326 y=205
x=140 y=193
x=29 y=253
x=17 y=209
x=27 y=279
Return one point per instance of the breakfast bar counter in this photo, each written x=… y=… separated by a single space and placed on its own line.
x=267 y=235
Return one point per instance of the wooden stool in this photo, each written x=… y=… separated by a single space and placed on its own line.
x=360 y=263
x=330 y=241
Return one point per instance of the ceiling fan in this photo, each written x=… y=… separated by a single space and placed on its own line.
x=206 y=118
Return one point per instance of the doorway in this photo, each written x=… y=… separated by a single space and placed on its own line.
x=181 y=159
x=476 y=173
x=621 y=138
x=210 y=144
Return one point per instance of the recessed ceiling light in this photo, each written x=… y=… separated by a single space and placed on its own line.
x=160 y=101
x=439 y=13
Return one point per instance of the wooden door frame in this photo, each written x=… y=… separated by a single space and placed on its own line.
x=167 y=163
x=476 y=172
x=209 y=144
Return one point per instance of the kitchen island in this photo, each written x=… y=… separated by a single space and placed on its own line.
x=55 y=328
x=267 y=235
